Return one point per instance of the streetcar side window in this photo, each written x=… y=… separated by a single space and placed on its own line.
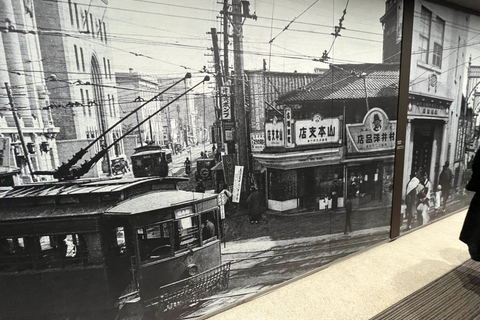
x=187 y=235
x=13 y=255
x=154 y=241
x=120 y=242
x=10 y=246
x=59 y=250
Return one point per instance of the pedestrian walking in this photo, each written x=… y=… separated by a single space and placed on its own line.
x=411 y=198
x=470 y=233
x=348 y=217
x=428 y=195
x=188 y=165
x=445 y=181
x=438 y=199
x=255 y=205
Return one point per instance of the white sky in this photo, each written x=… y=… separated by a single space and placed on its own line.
x=174 y=34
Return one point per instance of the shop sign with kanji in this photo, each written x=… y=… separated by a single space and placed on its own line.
x=376 y=133
x=317 y=131
x=257 y=141
x=274 y=134
x=226 y=107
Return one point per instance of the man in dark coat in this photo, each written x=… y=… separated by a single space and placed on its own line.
x=470 y=233
x=208 y=229
x=445 y=181
x=188 y=165
x=255 y=205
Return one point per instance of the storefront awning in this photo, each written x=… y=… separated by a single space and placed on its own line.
x=217 y=167
x=300 y=159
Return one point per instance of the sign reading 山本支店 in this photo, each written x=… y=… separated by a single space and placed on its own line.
x=376 y=133
x=317 y=131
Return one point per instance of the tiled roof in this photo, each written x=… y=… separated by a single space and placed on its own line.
x=344 y=82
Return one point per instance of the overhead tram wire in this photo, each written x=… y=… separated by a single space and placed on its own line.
x=65 y=169
x=292 y=21
x=213 y=11
x=271 y=34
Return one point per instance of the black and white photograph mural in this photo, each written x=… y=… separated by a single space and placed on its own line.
x=166 y=159
x=442 y=135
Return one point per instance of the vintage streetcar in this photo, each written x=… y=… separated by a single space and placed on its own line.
x=107 y=249
x=151 y=160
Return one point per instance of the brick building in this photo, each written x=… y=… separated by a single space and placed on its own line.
x=79 y=73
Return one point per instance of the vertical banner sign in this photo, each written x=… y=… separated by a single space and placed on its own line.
x=5 y=152
x=226 y=107
x=289 y=128
x=237 y=184
x=228 y=162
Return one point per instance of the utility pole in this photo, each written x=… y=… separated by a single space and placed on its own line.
x=218 y=79
x=225 y=41
x=239 y=102
x=240 y=11
x=19 y=130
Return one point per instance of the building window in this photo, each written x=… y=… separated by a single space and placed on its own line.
x=88 y=103
x=425 y=24
x=83 y=61
x=91 y=23
x=83 y=102
x=76 y=15
x=437 y=55
x=113 y=105
x=105 y=67
x=71 y=12
x=437 y=38
x=109 y=70
x=76 y=56
x=110 y=106
x=104 y=32
x=100 y=29
x=85 y=21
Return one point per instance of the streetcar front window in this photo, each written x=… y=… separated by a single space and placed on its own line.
x=154 y=241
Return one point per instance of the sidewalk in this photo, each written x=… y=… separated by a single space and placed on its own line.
x=362 y=285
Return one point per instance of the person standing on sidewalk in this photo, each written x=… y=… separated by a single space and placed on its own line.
x=348 y=217
x=411 y=199
x=445 y=181
x=334 y=190
x=188 y=165
x=255 y=205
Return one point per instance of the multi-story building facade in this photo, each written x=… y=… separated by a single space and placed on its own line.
x=27 y=142
x=79 y=74
x=182 y=114
x=438 y=64
x=133 y=90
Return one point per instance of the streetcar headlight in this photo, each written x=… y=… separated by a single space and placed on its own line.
x=192 y=269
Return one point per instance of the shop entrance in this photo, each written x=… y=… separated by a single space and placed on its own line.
x=422 y=147
x=307 y=188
